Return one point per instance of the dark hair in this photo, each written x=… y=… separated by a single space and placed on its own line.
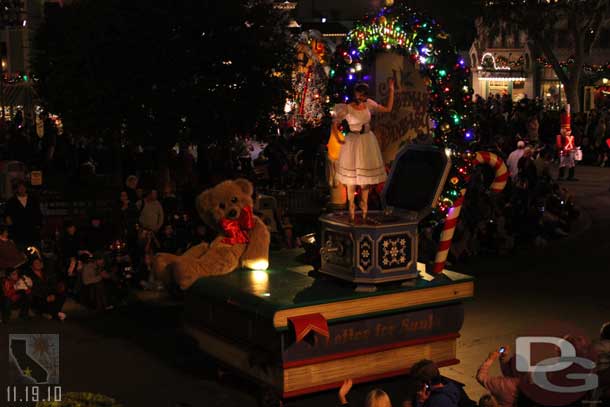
x=362 y=88
x=85 y=257
x=18 y=182
x=487 y=400
x=604 y=332
x=147 y=192
x=426 y=371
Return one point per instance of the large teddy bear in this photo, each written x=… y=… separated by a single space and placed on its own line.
x=243 y=239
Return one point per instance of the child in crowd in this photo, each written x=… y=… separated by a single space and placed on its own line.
x=374 y=398
x=93 y=274
x=17 y=293
x=377 y=398
x=168 y=241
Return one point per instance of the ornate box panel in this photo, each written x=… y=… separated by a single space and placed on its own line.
x=384 y=247
x=369 y=253
x=396 y=251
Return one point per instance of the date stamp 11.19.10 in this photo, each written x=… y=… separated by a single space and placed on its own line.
x=33 y=369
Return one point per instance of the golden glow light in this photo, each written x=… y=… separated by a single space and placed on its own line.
x=257 y=265
x=260 y=282
x=259 y=277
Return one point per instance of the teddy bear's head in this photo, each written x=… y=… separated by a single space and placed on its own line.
x=225 y=200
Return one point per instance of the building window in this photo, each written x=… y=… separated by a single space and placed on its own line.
x=553 y=94
x=548 y=74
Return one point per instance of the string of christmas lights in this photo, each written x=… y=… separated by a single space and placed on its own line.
x=503 y=62
x=307 y=105
x=601 y=69
x=399 y=29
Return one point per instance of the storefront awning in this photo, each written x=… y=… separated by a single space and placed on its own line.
x=501 y=75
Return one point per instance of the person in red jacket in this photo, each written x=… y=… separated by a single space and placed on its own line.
x=566 y=146
x=17 y=292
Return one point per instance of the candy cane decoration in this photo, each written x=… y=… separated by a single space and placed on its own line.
x=498 y=184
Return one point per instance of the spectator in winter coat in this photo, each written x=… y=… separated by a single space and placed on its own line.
x=70 y=242
x=438 y=393
x=151 y=216
x=24 y=216
x=124 y=218
x=513 y=160
x=131 y=184
x=96 y=236
x=48 y=295
x=429 y=389
x=527 y=174
x=170 y=204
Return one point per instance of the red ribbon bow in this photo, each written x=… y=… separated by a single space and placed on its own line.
x=303 y=325
x=236 y=230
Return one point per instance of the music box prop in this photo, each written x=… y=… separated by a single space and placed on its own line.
x=383 y=248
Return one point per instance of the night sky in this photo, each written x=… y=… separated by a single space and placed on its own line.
x=456 y=17
x=344 y=9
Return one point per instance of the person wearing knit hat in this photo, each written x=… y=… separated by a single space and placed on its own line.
x=566 y=147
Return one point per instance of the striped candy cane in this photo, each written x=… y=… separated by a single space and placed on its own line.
x=498 y=184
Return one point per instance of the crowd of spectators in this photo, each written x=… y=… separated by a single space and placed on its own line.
x=535 y=207
x=426 y=387
x=503 y=122
x=97 y=261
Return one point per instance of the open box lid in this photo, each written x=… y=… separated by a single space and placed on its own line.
x=417 y=179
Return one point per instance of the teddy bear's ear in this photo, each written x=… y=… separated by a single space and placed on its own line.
x=245 y=185
x=204 y=205
x=204 y=201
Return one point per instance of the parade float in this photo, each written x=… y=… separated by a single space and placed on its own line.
x=372 y=310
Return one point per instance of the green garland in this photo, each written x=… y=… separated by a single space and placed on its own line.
x=399 y=29
x=81 y=400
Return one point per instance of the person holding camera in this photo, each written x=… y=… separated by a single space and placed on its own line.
x=505 y=388
x=17 y=292
x=428 y=388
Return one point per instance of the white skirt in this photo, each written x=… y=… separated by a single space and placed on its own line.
x=360 y=161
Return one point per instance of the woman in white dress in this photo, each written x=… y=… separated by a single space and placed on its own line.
x=360 y=160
